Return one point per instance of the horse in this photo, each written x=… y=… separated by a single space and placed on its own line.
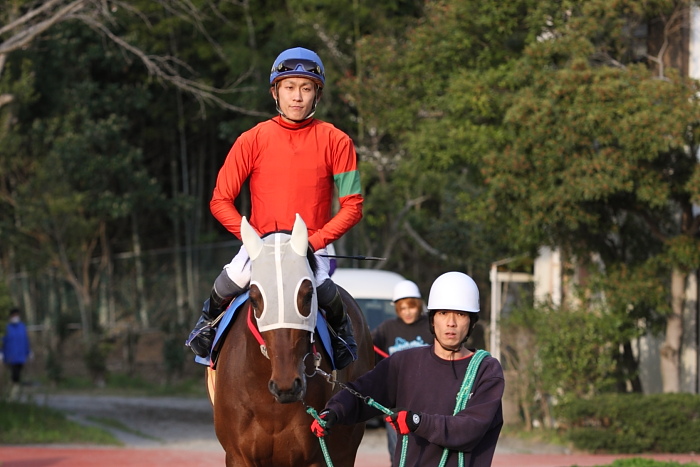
x=262 y=391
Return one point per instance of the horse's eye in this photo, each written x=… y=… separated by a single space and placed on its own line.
x=308 y=298
x=257 y=307
x=256 y=300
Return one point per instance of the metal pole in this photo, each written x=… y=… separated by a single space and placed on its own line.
x=495 y=337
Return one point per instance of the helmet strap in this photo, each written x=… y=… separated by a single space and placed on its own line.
x=449 y=349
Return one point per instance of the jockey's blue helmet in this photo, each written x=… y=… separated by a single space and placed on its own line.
x=298 y=62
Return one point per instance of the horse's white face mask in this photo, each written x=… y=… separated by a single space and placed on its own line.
x=278 y=268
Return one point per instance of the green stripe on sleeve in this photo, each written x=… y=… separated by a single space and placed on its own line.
x=348 y=183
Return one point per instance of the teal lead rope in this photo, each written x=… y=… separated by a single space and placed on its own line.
x=369 y=401
x=463 y=396
x=311 y=411
x=461 y=403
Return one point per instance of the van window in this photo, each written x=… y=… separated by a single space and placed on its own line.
x=373 y=290
x=376 y=310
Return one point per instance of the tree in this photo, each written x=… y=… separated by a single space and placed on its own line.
x=109 y=60
x=546 y=109
x=85 y=175
x=26 y=20
x=416 y=185
x=578 y=165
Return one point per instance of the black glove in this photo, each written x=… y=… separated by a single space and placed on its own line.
x=404 y=421
x=327 y=416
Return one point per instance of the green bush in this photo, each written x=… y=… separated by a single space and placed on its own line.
x=577 y=361
x=54 y=367
x=633 y=423
x=174 y=354
x=95 y=359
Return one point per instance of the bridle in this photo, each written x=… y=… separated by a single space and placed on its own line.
x=313 y=352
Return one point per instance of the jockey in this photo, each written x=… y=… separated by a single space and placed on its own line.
x=293 y=162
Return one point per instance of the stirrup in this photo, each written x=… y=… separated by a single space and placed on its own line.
x=194 y=334
x=202 y=336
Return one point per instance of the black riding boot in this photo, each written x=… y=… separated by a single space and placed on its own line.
x=202 y=336
x=344 y=345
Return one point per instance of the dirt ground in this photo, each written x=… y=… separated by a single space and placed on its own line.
x=179 y=432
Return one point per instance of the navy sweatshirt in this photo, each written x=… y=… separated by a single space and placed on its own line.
x=418 y=380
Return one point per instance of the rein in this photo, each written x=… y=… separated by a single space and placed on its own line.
x=463 y=396
x=256 y=333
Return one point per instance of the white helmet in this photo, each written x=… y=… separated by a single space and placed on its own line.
x=405 y=289
x=454 y=291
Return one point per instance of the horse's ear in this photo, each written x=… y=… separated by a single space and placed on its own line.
x=300 y=237
x=251 y=240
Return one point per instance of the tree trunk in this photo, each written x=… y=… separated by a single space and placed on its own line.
x=103 y=280
x=189 y=227
x=138 y=266
x=630 y=367
x=670 y=350
x=85 y=308
x=177 y=248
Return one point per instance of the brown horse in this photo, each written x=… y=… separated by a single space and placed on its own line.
x=262 y=391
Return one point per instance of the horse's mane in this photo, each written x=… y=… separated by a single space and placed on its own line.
x=310 y=256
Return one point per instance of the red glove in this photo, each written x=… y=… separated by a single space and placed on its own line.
x=404 y=421
x=329 y=417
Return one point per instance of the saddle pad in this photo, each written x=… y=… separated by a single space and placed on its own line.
x=235 y=306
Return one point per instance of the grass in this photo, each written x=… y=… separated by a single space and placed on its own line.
x=640 y=462
x=117 y=425
x=540 y=435
x=22 y=423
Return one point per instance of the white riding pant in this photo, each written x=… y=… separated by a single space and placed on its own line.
x=238 y=270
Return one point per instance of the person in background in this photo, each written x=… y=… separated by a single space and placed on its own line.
x=15 y=350
x=295 y=163
x=410 y=328
x=441 y=407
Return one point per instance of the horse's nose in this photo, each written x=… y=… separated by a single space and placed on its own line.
x=284 y=396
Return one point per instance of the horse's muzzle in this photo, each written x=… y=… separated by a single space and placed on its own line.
x=286 y=396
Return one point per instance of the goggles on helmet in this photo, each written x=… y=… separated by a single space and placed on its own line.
x=292 y=64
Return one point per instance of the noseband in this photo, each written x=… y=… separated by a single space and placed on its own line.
x=263 y=348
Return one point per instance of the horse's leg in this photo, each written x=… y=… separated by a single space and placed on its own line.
x=343 y=443
x=232 y=415
x=235 y=461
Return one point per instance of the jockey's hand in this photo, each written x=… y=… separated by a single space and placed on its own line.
x=403 y=421
x=329 y=417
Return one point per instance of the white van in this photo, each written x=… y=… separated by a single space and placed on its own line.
x=372 y=289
